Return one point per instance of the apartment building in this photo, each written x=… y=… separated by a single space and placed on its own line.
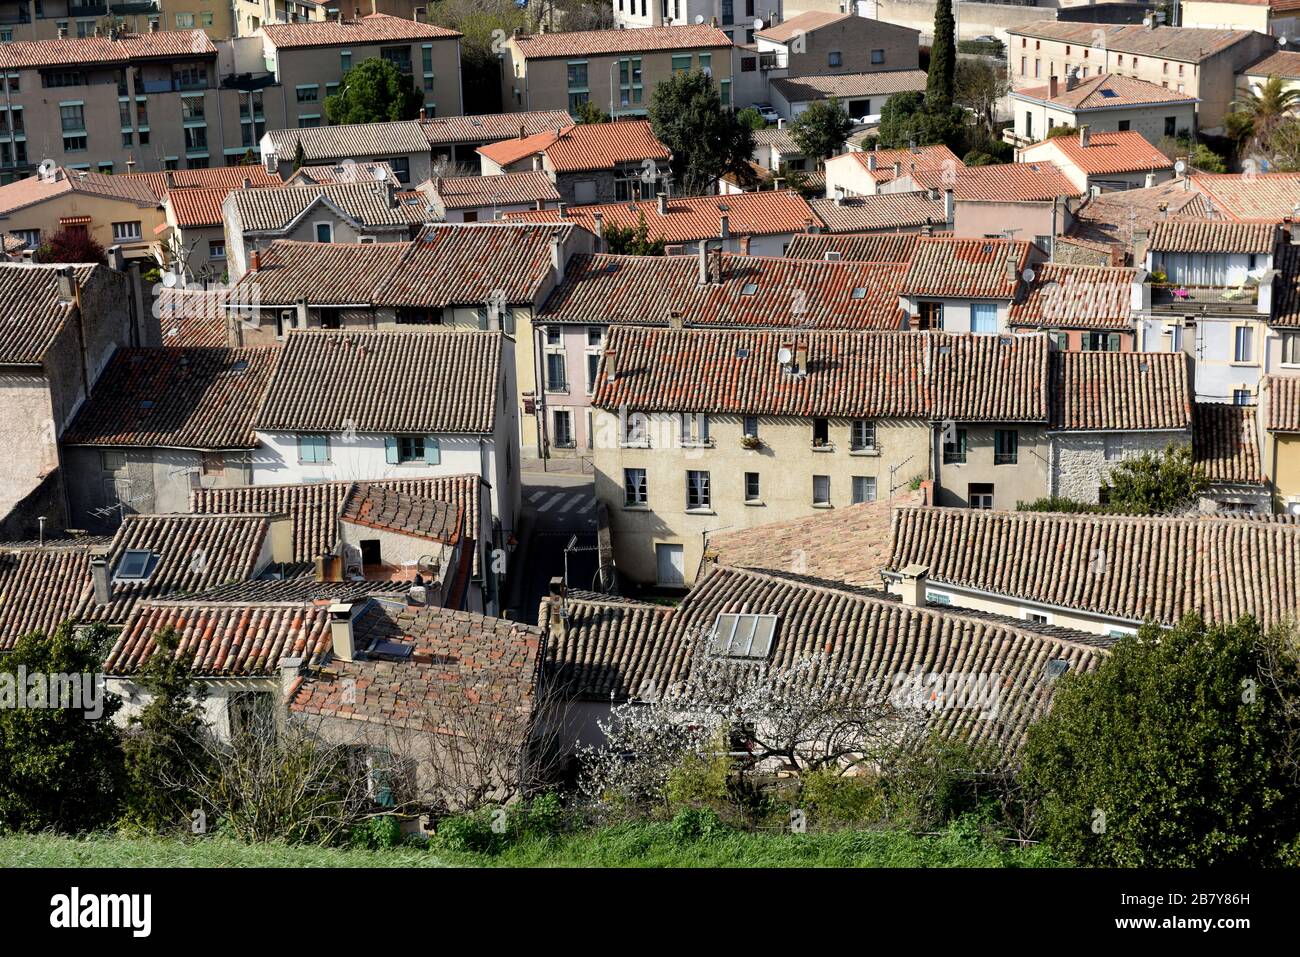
x=617 y=70
x=401 y=145
x=822 y=44
x=251 y=15
x=1198 y=63
x=735 y=18
x=51 y=19
x=309 y=60
x=113 y=210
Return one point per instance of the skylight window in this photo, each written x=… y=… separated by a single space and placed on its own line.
x=146 y=403
x=859 y=292
x=743 y=636
x=239 y=365
x=1055 y=668
x=136 y=565
x=742 y=353
x=749 y=289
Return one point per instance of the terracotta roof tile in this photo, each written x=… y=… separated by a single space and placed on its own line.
x=106 y=51
x=275 y=210
x=870 y=248
x=490 y=127
x=192 y=317
x=374 y=28
x=215 y=177
x=1283 y=63
x=350 y=141
x=326 y=274
x=384 y=507
x=1226 y=444
x=1106 y=91
x=632 y=40
x=1189 y=44
x=1076 y=297
x=882 y=211
x=509 y=189
x=1121 y=391
x=798 y=25
x=35 y=189
x=1283 y=394
x=197 y=207
x=1006 y=182
x=982 y=378
x=41 y=587
x=1262 y=196
x=31 y=313
x=970 y=268
x=1209 y=237
x=879 y=164
x=1124 y=152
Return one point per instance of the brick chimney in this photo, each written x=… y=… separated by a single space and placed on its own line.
x=255 y=260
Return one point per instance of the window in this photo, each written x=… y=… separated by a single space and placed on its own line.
x=752 y=491
x=750 y=426
x=984 y=318
x=695 y=430
x=593 y=364
x=1291 y=348
x=821 y=433
x=308 y=94
x=1100 y=342
x=637 y=430
x=401 y=167
x=821 y=490
x=563 y=429
x=345 y=60
x=212 y=463
x=980 y=495
x=1006 y=446
x=216 y=250
x=1171 y=126
x=75 y=144
x=877 y=56
x=196 y=138
x=136 y=565
x=191 y=108
x=862 y=435
x=72 y=116
x=112 y=461
x=1241 y=397
x=313 y=449
x=954 y=447
x=1243 y=342
x=410 y=448
x=833 y=58
x=682 y=63
x=748 y=64
x=577 y=73
x=184 y=21
x=324 y=232
x=595 y=336
x=635 y=491
x=697 y=490
x=32 y=237
x=555 y=368
x=1113 y=448
x=742 y=636
x=123 y=231
x=864 y=489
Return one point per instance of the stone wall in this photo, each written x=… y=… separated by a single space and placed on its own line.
x=1079 y=460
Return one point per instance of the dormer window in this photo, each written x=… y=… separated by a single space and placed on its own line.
x=136 y=565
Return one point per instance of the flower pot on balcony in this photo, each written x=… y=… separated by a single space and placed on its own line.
x=750 y=442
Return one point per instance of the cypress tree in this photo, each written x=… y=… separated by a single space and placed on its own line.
x=943 y=60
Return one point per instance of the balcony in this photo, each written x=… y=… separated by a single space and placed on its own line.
x=88 y=10
x=1185 y=300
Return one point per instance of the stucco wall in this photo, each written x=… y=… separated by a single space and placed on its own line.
x=1022 y=481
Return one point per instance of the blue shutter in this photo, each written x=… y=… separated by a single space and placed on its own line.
x=432 y=451
x=390 y=449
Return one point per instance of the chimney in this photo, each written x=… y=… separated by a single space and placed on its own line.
x=949 y=207
x=611 y=365
x=280 y=533
x=423 y=114
x=556 y=602
x=724 y=226
x=557 y=258
x=714 y=22
x=663 y=202
x=911 y=585
x=255 y=260
x=927 y=230
x=674 y=320
x=1084 y=138
x=247 y=184
x=1013 y=270
x=170 y=177
x=1052 y=87
x=898 y=168
x=744 y=245
x=522 y=134
x=341 y=631
x=598 y=223
x=99 y=576
x=871 y=160
x=1071 y=80
x=703 y=277
x=67 y=285
x=778 y=183
x=564 y=210
x=1150 y=180
x=1293 y=233
x=801 y=359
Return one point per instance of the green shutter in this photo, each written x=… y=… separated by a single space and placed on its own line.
x=432 y=451
x=390 y=449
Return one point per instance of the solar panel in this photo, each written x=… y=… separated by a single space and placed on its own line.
x=743 y=636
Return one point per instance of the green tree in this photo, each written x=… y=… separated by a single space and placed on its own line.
x=752 y=118
x=940 y=80
x=1176 y=752
x=979 y=87
x=630 y=241
x=1260 y=110
x=1205 y=159
x=164 y=750
x=299 y=156
x=1154 y=483
x=906 y=121
x=374 y=91
x=589 y=112
x=820 y=130
x=60 y=767
x=706 y=140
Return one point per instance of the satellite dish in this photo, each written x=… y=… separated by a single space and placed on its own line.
x=784 y=355
x=1281 y=41
x=379 y=173
x=169 y=279
x=1029 y=275
x=1180 y=167
x=758 y=24
x=46 y=169
x=1146 y=21
x=699 y=18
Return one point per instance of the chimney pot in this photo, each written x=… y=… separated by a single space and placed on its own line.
x=703 y=260
x=674 y=320
x=911 y=586
x=248 y=183
x=340 y=616
x=1084 y=136
x=99 y=577
x=663 y=203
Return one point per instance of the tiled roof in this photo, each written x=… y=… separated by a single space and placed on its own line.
x=1283 y=403
x=384 y=507
x=1268 y=196
x=881 y=211
x=873 y=248
x=347 y=171
x=1106 y=91
x=467 y=264
x=1189 y=44
x=799 y=25
x=351 y=140
x=1122 y=567
x=754 y=292
x=1225 y=443
x=884 y=83
x=192 y=317
x=22 y=193
x=1286 y=288
x=31 y=313
x=1121 y=391
x=197 y=207
x=1212 y=237
x=1113 y=217
x=176 y=398
x=1006 y=182
x=509 y=189
x=634 y=40
x=610 y=650
x=323 y=274
x=907 y=375
x=392 y=382
x=490 y=127
x=272 y=210
x=314 y=508
x=214 y=177
x=969 y=268
x=690 y=219
x=40 y=588
x=914 y=160
x=234 y=640
x=602 y=145
x=847 y=545
x=105 y=51
x=1124 y=152
x=297 y=588
x=371 y=29
x=460 y=661
x=1076 y=297
x=507 y=151
x=1283 y=63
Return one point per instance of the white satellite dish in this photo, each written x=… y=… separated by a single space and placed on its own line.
x=1180 y=167
x=1281 y=41
x=699 y=18
x=379 y=173
x=758 y=24
x=169 y=279
x=784 y=355
x=1029 y=275
x=46 y=169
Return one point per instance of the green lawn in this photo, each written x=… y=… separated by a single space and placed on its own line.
x=639 y=845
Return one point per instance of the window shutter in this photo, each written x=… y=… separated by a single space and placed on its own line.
x=390 y=449
x=432 y=451
x=1114 y=342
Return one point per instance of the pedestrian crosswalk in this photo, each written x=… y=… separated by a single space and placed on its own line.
x=560 y=503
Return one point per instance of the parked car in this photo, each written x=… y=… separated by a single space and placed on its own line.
x=766 y=111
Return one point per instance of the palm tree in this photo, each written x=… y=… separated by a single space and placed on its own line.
x=1259 y=111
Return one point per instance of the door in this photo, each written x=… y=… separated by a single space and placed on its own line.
x=669 y=565
x=984 y=318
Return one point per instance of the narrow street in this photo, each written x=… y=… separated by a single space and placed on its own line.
x=557 y=507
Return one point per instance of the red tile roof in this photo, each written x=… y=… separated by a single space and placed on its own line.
x=490 y=127
x=1007 y=182
x=175 y=398
x=192 y=317
x=1076 y=297
x=968 y=268
x=105 y=51
x=1125 y=152
x=882 y=211
x=197 y=207
x=34 y=189
x=377 y=505
x=1189 y=44
x=1225 y=443
x=754 y=292
x=868 y=248
x=31 y=312
x=374 y=28
x=224 y=177
x=690 y=219
x=799 y=25
x=1106 y=91
x=508 y=189
x=1247 y=196
x=633 y=40
x=1121 y=391
x=880 y=83
x=908 y=160
x=1283 y=63
x=586 y=146
x=1283 y=398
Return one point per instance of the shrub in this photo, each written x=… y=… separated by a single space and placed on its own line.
x=380 y=833
x=838 y=800
x=468 y=833
x=698 y=824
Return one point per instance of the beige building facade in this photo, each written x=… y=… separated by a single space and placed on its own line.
x=51 y=19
